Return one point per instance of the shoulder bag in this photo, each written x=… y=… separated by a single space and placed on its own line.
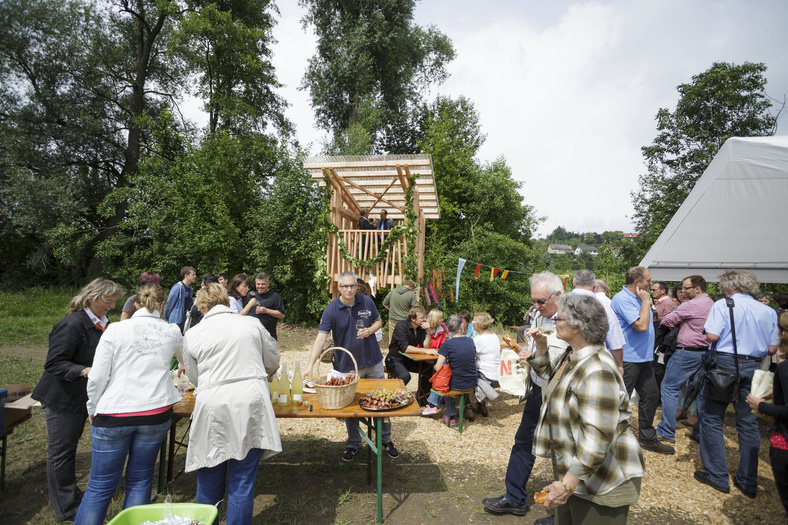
x=722 y=385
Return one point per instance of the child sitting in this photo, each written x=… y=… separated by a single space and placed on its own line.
x=488 y=360
x=460 y=352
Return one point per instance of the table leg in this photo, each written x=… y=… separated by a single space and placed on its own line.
x=379 y=443
x=171 y=459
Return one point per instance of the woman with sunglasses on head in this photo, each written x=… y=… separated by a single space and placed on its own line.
x=584 y=420
x=62 y=389
x=130 y=398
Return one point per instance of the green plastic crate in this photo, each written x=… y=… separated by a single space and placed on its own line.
x=155 y=511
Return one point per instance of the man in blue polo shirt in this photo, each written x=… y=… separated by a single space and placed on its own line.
x=632 y=306
x=353 y=319
x=756 y=337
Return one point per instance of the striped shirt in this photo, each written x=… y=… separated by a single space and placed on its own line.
x=587 y=412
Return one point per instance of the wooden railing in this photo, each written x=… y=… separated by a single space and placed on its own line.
x=365 y=245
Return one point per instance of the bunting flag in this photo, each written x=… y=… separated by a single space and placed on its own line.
x=427 y=295
x=452 y=295
x=372 y=282
x=493 y=273
x=476 y=275
x=434 y=295
x=504 y=274
x=460 y=266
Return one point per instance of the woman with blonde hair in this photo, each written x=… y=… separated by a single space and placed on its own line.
x=130 y=306
x=229 y=358
x=778 y=410
x=488 y=357
x=62 y=389
x=130 y=398
x=438 y=332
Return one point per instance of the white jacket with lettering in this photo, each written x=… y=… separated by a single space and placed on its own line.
x=131 y=368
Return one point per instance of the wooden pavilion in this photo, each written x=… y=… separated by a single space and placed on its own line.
x=375 y=183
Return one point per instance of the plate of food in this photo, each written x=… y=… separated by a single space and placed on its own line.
x=380 y=400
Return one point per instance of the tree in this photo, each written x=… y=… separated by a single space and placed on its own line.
x=722 y=102
x=227 y=44
x=370 y=52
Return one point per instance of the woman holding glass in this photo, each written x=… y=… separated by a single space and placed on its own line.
x=584 y=421
x=130 y=398
x=238 y=289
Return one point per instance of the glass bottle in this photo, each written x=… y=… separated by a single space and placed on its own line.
x=284 y=387
x=297 y=387
x=274 y=386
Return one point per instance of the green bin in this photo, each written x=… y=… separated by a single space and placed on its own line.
x=155 y=511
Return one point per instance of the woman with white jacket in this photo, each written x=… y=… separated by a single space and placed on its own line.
x=229 y=358
x=130 y=398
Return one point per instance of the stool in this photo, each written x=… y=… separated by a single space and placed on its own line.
x=453 y=394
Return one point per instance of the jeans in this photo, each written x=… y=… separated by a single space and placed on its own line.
x=238 y=476
x=64 y=429
x=640 y=377
x=110 y=446
x=521 y=459
x=353 y=437
x=682 y=365
x=712 y=442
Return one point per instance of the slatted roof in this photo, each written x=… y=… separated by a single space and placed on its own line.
x=378 y=181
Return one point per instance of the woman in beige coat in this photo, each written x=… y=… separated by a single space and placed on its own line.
x=229 y=358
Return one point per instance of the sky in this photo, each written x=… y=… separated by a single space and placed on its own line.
x=568 y=91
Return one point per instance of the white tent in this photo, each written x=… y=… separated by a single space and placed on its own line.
x=734 y=217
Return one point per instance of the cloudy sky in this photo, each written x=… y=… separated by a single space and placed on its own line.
x=567 y=91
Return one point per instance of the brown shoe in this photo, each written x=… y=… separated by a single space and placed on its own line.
x=657 y=446
x=680 y=414
x=481 y=408
x=690 y=421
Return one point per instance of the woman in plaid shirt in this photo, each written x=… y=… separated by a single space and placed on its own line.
x=584 y=423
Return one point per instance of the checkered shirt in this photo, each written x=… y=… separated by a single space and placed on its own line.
x=588 y=414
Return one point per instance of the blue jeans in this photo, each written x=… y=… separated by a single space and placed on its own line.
x=64 y=429
x=521 y=459
x=353 y=437
x=110 y=446
x=712 y=442
x=236 y=475
x=681 y=367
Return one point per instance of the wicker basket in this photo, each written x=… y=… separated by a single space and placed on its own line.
x=335 y=397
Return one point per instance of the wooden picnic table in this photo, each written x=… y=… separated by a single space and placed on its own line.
x=372 y=419
x=426 y=362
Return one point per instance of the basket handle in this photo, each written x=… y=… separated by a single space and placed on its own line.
x=329 y=349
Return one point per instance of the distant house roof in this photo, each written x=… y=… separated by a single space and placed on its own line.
x=630 y=235
x=587 y=248
x=560 y=247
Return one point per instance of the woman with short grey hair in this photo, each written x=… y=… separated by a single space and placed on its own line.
x=584 y=420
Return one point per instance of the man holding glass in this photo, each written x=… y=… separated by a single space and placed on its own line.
x=353 y=319
x=545 y=289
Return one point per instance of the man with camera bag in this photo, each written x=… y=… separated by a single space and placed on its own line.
x=741 y=346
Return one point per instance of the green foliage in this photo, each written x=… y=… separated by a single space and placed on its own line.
x=288 y=240
x=226 y=43
x=722 y=102
x=504 y=299
x=370 y=52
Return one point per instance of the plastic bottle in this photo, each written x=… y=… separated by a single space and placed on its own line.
x=183 y=387
x=297 y=388
x=284 y=387
x=274 y=386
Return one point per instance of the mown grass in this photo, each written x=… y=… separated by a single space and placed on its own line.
x=27 y=317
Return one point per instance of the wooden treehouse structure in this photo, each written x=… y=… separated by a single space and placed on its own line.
x=375 y=183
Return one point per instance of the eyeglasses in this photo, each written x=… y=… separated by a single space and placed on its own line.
x=688 y=287
x=543 y=301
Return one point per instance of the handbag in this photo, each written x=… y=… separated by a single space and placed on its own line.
x=724 y=386
x=440 y=380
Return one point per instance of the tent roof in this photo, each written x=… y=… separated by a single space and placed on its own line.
x=380 y=180
x=732 y=218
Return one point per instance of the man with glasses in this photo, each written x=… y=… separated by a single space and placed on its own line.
x=691 y=344
x=353 y=319
x=632 y=306
x=545 y=289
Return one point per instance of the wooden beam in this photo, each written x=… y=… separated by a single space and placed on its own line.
x=342 y=191
x=391 y=163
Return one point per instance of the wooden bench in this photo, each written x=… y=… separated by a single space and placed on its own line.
x=449 y=396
